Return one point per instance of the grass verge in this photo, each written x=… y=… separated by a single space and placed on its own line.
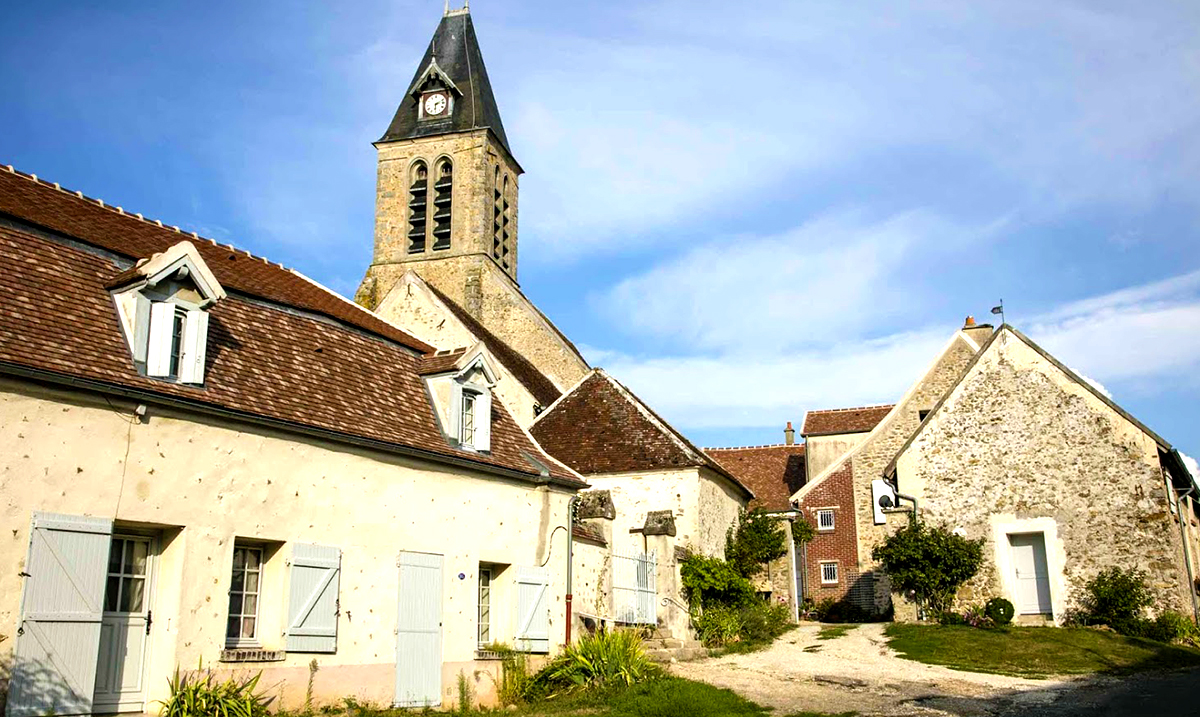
x=1035 y=651
x=833 y=632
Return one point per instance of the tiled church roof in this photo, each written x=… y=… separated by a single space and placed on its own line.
x=456 y=50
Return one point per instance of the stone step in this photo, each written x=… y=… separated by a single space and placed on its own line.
x=665 y=643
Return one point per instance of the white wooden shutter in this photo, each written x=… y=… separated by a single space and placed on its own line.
x=158 y=349
x=419 y=631
x=483 y=421
x=313 y=598
x=195 y=337
x=141 y=327
x=455 y=412
x=54 y=667
x=533 y=609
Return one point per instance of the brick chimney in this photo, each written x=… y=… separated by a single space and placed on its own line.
x=969 y=323
x=789 y=434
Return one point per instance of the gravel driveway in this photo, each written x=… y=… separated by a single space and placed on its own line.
x=859 y=673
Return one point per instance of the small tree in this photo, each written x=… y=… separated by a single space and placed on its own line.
x=757 y=539
x=1115 y=596
x=712 y=581
x=930 y=562
x=802 y=532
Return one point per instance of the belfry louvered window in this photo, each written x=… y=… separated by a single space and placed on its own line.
x=443 y=191
x=418 y=198
x=500 y=220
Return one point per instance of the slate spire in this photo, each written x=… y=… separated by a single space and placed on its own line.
x=454 y=54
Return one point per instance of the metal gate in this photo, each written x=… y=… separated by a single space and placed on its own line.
x=635 y=592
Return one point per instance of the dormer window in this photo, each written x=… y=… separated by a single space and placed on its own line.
x=163 y=304
x=474 y=413
x=467 y=421
x=462 y=398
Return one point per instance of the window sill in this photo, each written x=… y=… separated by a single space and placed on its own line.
x=251 y=654
x=488 y=655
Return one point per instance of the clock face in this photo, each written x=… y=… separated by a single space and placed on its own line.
x=435 y=104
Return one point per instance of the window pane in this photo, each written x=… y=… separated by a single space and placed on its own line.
x=140 y=550
x=239 y=558
x=252 y=582
x=131 y=594
x=231 y=628
x=111 y=591
x=239 y=581
x=248 y=627
x=250 y=606
x=253 y=559
x=114 y=556
x=235 y=604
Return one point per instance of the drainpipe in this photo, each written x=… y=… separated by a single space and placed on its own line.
x=1187 y=551
x=571 y=505
x=895 y=484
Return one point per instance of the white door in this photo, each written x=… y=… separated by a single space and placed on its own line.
x=1033 y=575
x=419 y=631
x=54 y=665
x=125 y=628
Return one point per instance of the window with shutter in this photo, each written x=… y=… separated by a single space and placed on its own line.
x=158 y=349
x=533 y=609
x=195 y=342
x=313 y=606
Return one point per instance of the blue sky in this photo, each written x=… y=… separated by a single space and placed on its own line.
x=743 y=211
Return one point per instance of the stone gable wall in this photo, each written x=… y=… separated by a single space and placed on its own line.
x=880 y=448
x=1021 y=441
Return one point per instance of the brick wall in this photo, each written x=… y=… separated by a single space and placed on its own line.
x=839 y=544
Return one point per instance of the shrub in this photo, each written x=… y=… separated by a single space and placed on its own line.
x=977 y=616
x=1115 y=597
x=200 y=694
x=930 y=562
x=709 y=582
x=949 y=617
x=843 y=611
x=763 y=622
x=515 y=677
x=999 y=610
x=719 y=626
x=756 y=540
x=606 y=659
x=1170 y=626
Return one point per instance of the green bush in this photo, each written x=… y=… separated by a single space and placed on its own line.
x=1115 y=597
x=754 y=541
x=999 y=611
x=949 y=617
x=930 y=563
x=719 y=626
x=710 y=582
x=830 y=610
x=200 y=694
x=763 y=622
x=607 y=659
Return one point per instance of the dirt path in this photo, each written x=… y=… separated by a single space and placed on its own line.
x=859 y=673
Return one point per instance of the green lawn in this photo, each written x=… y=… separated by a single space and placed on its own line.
x=665 y=697
x=1035 y=651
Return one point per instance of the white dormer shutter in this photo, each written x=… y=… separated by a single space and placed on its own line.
x=455 y=422
x=141 y=327
x=483 y=421
x=158 y=349
x=195 y=341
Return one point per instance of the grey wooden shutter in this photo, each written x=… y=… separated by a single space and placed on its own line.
x=419 y=631
x=191 y=365
x=54 y=668
x=454 y=424
x=141 y=327
x=533 y=609
x=313 y=598
x=158 y=350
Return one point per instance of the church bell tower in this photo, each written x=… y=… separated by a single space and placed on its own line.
x=446 y=191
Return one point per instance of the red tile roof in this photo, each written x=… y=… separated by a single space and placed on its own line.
x=440 y=362
x=774 y=473
x=599 y=426
x=305 y=357
x=843 y=420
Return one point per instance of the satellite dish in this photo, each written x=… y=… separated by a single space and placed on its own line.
x=885 y=501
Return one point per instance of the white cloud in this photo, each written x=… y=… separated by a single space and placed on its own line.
x=1192 y=466
x=1147 y=335
x=833 y=276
